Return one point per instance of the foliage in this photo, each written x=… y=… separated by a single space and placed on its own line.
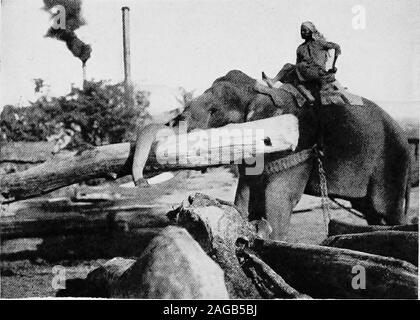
x=99 y=110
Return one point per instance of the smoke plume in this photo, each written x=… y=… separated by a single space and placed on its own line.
x=73 y=21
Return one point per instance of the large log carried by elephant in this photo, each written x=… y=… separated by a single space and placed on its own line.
x=366 y=154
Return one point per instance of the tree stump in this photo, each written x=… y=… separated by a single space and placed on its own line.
x=217 y=226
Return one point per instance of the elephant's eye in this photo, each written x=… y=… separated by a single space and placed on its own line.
x=212 y=110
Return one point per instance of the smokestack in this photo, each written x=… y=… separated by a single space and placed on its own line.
x=126 y=43
x=127 y=58
x=84 y=74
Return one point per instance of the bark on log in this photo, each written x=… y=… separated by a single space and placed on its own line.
x=217 y=225
x=12 y=228
x=173 y=266
x=86 y=221
x=396 y=244
x=216 y=228
x=26 y=152
x=336 y=227
x=83 y=246
x=324 y=272
x=193 y=152
x=268 y=283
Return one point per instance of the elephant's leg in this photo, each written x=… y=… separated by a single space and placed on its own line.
x=249 y=197
x=283 y=191
x=389 y=187
x=382 y=205
x=388 y=201
x=364 y=205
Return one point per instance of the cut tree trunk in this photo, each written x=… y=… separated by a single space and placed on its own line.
x=325 y=272
x=42 y=224
x=268 y=283
x=196 y=150
x=217 y=225
x=397 y=244
x=336 y=227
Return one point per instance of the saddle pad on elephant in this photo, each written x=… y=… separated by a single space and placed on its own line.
x=276 y=97
x=335 y=93
x=332 y=93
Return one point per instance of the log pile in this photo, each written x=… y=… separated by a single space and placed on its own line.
x=84 y=218
x=204 y=249
x=252 y=267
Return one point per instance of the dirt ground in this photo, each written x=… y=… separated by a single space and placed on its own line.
x=28 y=269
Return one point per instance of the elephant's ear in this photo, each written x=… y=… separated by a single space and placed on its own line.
x=232 y=95
x=262 y=107
x=273 y=93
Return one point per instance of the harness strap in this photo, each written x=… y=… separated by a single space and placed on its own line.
x=288 y=161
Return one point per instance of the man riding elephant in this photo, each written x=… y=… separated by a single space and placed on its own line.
x=311 y=61
x=366 y=156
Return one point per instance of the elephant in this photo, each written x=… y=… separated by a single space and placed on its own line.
x=366 y=156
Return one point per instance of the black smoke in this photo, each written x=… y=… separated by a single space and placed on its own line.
x=74 y=21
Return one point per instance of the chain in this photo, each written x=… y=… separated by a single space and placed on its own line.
x=324 y=191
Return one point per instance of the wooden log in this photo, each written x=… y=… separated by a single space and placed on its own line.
x=12 y=228
x=81 y=246
x=172 y=266
x=336 y=227
x=26 y=152
x=217 y=226
x=325 y=272
x=84 y=221
x=196 y=150
x=396 y=244
x=268 y=283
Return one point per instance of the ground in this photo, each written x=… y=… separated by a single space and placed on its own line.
x=31 y=275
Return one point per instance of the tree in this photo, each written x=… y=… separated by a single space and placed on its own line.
x=98 y=110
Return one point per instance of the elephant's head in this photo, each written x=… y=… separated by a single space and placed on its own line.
x=233 y=99
x=224 y=102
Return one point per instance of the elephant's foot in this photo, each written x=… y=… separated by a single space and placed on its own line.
x=262 y=228
x=371 y=215
x=141 y=183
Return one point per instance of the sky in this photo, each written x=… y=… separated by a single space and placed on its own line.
x=191 y=43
